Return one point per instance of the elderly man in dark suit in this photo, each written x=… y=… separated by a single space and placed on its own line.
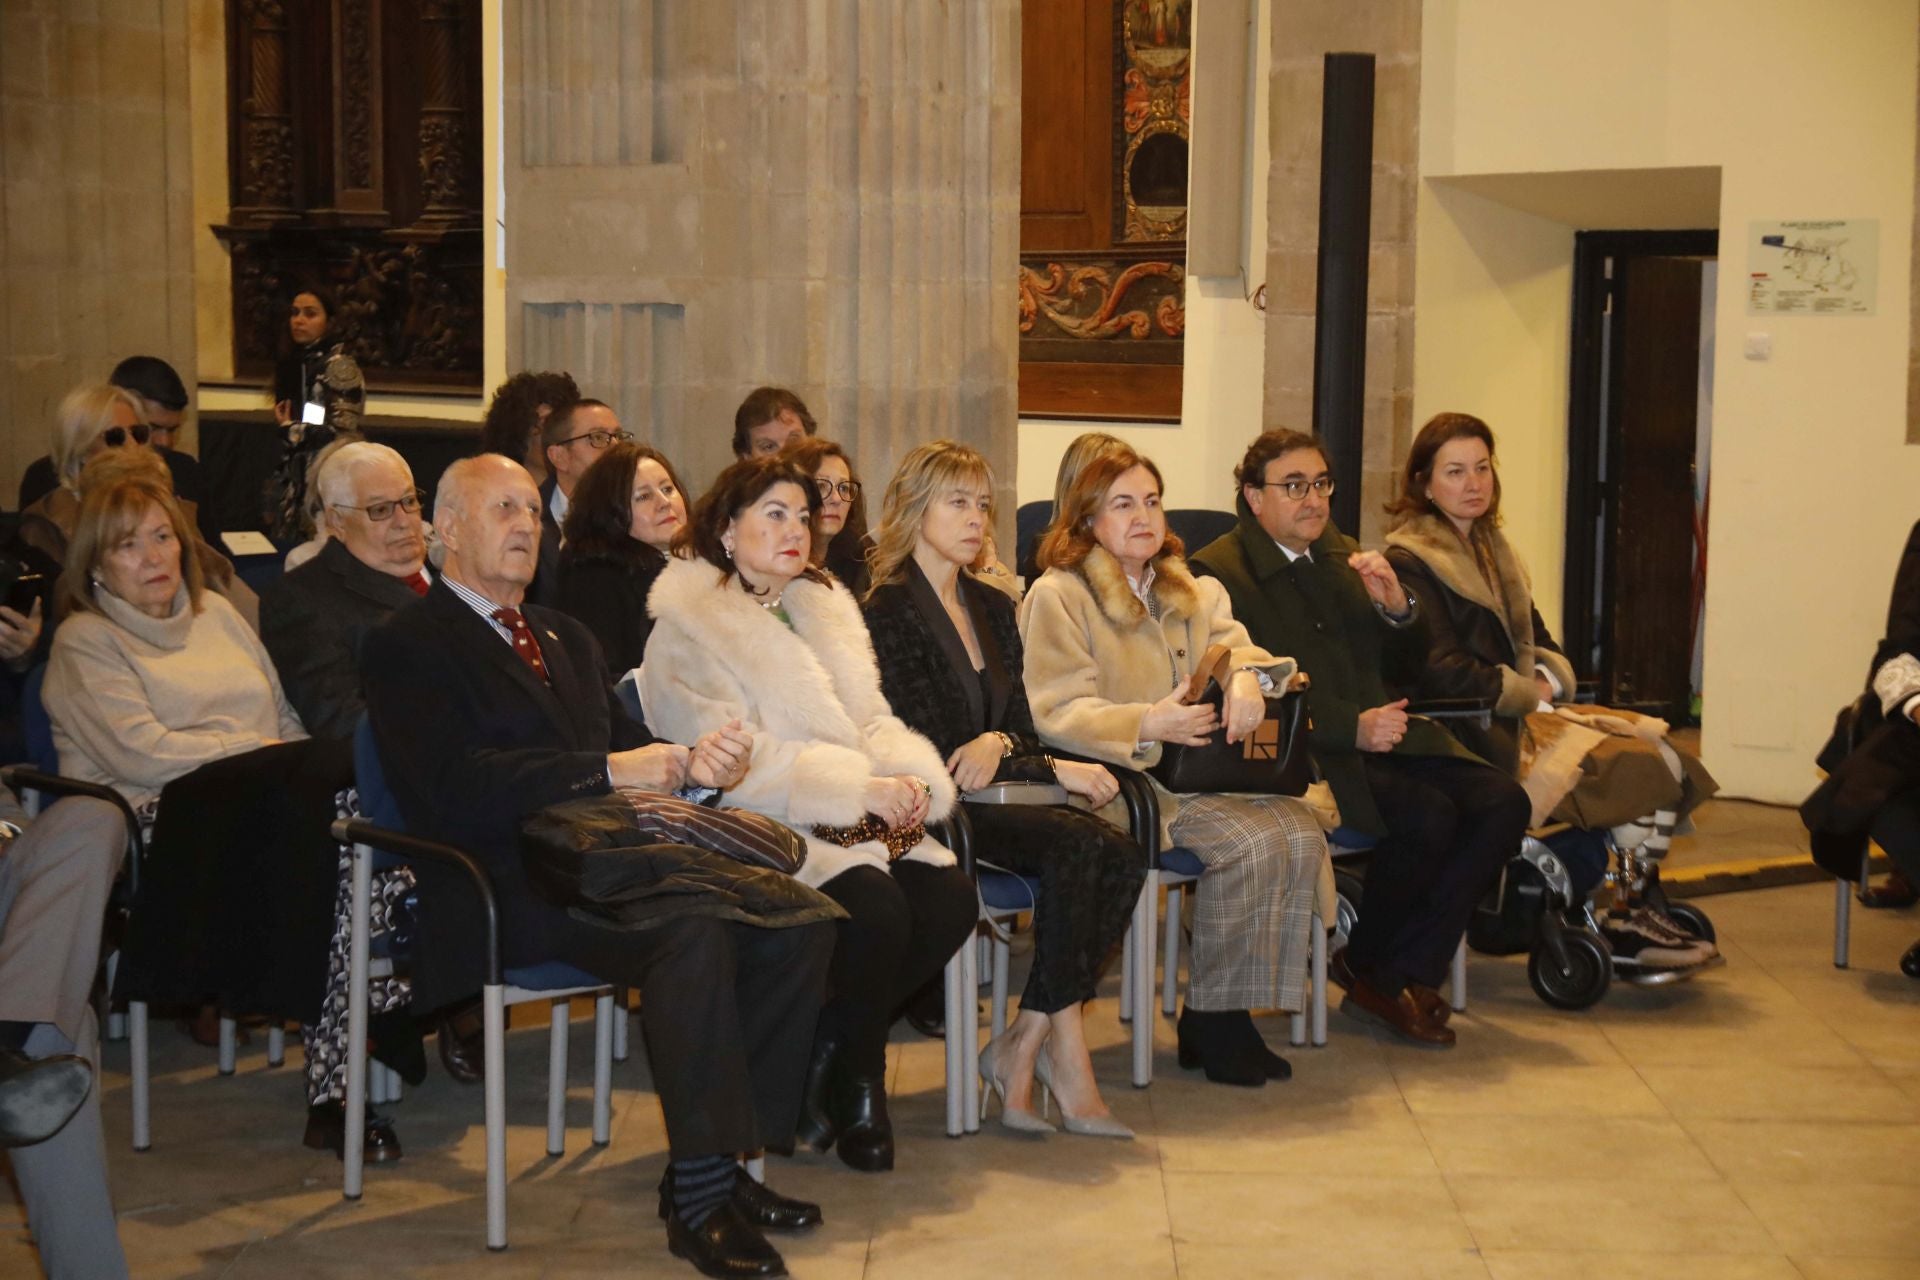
x=486 y=711
x=312 y=620
x=1446 y=821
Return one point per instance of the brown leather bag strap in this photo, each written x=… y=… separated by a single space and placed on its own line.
x=1211 y=669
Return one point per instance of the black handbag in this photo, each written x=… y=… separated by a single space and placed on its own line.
x=1272 y=760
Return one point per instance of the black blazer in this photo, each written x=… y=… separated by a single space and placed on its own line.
x=313 y=621
x=609 y=594
x=929 y=681
x=472 y=742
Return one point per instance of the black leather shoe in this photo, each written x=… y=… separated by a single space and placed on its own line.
x=327 y=1130
x=759 y=1204
x=1213 y=1042
x=1276 y=1067
x=725 y=1245
x=866 y=1131
x=39 y=1095
x=462 y=1045
x=816 y=1128
x=1910 y=962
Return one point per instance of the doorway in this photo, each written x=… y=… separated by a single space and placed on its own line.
x=1639 y=428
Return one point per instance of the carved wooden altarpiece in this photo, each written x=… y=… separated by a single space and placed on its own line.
x=354 y=144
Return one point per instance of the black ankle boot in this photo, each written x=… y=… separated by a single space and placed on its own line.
x=817 y=1128
x=1215 y=1042
x=866 y=1132
x=1240 y=1024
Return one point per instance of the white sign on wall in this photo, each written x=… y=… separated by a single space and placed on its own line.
x=1813 y=267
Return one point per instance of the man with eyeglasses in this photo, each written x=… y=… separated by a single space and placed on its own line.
x=574 y=436
x=1445 y=821
x=372 y=565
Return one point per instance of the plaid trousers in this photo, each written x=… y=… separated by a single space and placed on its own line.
x=1255 y=903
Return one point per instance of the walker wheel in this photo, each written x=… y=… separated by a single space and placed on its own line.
x=1584 y=981
x=1348 y=890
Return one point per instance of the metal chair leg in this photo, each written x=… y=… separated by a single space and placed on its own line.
x=353 y=1149
x=1170 y=966
x=621 y=1018
x=1002 y=955
x=229 y=1036
x=1457 y=983
x=276 y=1045
x=557 y=1078
x=113 y=1020
x=1319 y=986
x=142 y=1075
x=1126 y=970
x=605 y=1017
x=956 y=995
x=1842 y=922
x=969 y=1042
x=1144 y=922
x=494 y=1016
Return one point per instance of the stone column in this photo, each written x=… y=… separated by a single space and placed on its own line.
x=1303 y=34
x=822 y=194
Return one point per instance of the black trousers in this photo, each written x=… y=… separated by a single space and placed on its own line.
x=1090 y=875
x=1452 y=825
x=902 y=925
x=728 y=1010
x=1896 y=828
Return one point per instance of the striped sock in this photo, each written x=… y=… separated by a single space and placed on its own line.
x=700 y=1186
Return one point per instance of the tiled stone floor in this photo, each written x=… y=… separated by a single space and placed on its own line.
x=1763 y=1121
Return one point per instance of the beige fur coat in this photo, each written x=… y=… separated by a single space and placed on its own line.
x=1096 y=661
x=809 y=695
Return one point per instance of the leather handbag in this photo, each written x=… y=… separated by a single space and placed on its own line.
x=1272 y=760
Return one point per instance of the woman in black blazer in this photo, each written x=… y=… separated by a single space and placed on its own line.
x=624 y=512
x=950 y=666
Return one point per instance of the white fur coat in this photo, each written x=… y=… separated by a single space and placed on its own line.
x=809 y=695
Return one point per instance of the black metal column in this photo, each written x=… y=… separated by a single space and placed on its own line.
x=1340 y=330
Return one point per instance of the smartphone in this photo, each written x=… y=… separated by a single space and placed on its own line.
x=24 y=590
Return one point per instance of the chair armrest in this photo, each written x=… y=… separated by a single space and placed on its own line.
x=360 y=831
x=19 y=776
x=955 y=832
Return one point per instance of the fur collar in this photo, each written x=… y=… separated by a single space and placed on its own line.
x=1172 y=587
x=1432 y=538
x=830 y=681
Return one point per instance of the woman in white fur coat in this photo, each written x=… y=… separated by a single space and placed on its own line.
x=744 y=629
x=1113 y=630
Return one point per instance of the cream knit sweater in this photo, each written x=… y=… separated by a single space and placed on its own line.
x=137 y=701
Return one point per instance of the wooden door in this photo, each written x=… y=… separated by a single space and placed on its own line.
x=1648 y=605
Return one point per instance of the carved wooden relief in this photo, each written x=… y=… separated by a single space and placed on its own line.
x=1104 y=128
x=353 y=127
x=1155 y=56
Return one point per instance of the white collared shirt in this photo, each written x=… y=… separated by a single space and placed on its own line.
x=482 y=606
x=559 y=504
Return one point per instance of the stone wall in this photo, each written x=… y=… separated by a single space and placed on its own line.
x=1303 y=34
x=96 y=201
x=822 y=194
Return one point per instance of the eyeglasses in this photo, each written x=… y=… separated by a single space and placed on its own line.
x=847 y=489
x=378 y=511
x=1297 y=489
x=114 y=437
x=599 y=439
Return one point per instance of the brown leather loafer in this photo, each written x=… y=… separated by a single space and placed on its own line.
x=1896 y=891
x=462 y=1046
x=1432 y=1004
x=1401 y=1016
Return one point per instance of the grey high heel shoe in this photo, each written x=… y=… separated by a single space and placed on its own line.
x=1010 y=1117
x=1086 y=1126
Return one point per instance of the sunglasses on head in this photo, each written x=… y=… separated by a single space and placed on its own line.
x=114 y=437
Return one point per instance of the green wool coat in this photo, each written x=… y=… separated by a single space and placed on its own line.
x=1320 y=615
